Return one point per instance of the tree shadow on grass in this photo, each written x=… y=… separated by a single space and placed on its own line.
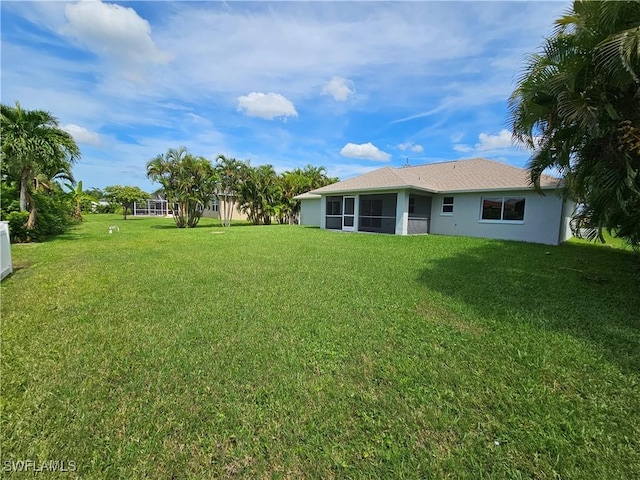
x=204 y=225
x=590 y=292
x=243 y=224
x=66 y=236
x=174 y=227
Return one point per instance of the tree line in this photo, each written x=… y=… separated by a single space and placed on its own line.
x=190 y=183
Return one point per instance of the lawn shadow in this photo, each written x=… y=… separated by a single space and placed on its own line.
x=174 y=227
x=200 y=225
x=243 y=224
x=590 y=292
x=164 y=227
x=69 y=235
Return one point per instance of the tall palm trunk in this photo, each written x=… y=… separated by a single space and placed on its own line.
x=231 y=207
x=24 y=186
x=27 y=202
x=33 y=213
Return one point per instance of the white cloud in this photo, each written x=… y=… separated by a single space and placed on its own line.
x=113 y=31
x=366 y=151
x=225 y=49
x=339 y=88
x=269 y=105
x=414 y=147
x=463 y=148
x=456 y=137
x=81 y=134
x=488 y=142
x=494 y=142
x=198 y=119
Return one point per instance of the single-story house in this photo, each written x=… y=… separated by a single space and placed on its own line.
x=213 y=209
x=158 y=206
x=475 y=197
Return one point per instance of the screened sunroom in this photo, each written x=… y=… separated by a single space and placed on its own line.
x=362 y=213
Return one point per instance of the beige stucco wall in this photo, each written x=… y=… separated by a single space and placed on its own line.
x=237 y=214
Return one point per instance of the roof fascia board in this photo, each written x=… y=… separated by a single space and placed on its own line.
x=375 y=189
x=435 y=192
x=501 y=189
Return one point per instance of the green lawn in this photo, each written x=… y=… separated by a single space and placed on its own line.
x=291 y=352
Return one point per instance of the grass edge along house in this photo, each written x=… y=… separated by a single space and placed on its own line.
x=475 y=197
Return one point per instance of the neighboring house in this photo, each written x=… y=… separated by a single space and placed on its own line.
x=476 y=197
x=212 y=210
x=158 y=206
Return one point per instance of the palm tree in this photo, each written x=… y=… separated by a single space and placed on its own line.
x=291 y=184
x=33 y=144
x=565 y=85
x=164 y=169
x=297 y=181
x=577 y=105
x=316 y=176
x=188 y=182
x=230 y=173
x=259 y=193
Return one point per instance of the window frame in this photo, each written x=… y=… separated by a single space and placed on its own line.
x=503 y=200
x=444 y=204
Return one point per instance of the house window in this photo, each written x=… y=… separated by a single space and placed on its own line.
x=214 y=205
x=412 y=205
x=503 y=209
x=447 y=205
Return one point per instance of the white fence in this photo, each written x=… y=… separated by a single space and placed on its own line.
x=5 y=250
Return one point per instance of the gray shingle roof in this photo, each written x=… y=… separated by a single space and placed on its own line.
x=476 y=174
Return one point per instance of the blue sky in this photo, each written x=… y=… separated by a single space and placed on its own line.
x=351 y=86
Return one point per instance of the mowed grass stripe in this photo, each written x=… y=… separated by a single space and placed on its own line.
x=290 y=352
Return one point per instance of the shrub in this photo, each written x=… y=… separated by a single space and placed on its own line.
x=108 y=208
x=54 y=216
x=54 y=213
x=17 y=230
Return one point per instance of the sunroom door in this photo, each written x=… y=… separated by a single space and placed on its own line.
x=349 y=213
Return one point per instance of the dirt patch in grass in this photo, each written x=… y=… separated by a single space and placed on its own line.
x=21 y=265
x=442 y=315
